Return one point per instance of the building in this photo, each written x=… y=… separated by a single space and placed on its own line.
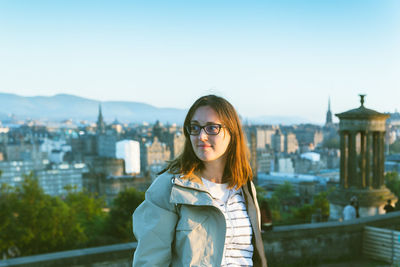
x=129 y=151
x=106 y=166
x=55 y=149
x=106 y=145
x=158 y=131
x=308 y=137
x=24 y=151
x=291 y=144
x=362 y=132
x=283 y=165
x=82 y=146
x=98 y=169
x=309 y=162
x=264 y=136
x=111 y=186
x=278 y=141
x=178 y=144
x=117 y=127
x=155 y=156
x=14 y=171
x=55 y=180
x=303 y=185
x=265 y=162
x=392 y=163
x=394 y=119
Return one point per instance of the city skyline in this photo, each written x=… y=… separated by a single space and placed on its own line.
x=266 y=58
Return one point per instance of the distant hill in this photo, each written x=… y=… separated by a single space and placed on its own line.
x=63 y=106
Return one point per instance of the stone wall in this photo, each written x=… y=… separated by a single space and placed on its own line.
x=301 y=245
x=309 y=244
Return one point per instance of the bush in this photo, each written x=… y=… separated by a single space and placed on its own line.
x=119 y=225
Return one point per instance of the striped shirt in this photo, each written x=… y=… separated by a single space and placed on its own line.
x=238 y=249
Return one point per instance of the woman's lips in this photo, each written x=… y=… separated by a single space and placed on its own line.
x=203 y=146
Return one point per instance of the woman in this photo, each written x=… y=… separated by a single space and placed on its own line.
x=202 y=211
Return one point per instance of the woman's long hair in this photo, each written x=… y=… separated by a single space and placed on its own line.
x=237 y=168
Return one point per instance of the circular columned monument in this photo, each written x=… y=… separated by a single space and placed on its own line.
x=362 y=133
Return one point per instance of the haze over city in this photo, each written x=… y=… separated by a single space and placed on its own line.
x=268 y=58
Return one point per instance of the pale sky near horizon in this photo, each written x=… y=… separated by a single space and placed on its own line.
x=266 y=57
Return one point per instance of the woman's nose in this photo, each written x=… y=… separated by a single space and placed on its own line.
x=203 y=135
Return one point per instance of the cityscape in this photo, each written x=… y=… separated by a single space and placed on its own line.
x=94 y=94
x=105 y=159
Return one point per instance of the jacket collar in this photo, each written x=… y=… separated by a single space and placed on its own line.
x=191 y=181
x=190 y=190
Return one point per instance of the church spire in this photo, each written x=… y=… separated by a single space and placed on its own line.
x=329 y=113
x=101 y=127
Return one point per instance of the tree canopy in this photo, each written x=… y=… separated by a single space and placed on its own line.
x=119 y=224
x=286 y=207
x=392 y=180
x=32 y=222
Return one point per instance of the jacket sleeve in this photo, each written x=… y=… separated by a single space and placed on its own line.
x=154 y=223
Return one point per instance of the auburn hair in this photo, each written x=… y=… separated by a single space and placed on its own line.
x=237 y=169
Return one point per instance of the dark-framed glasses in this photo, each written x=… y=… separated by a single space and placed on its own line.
x=210 y=129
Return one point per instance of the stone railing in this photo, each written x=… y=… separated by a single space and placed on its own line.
x=302 y=244
x=308 y=244
x=110 y=256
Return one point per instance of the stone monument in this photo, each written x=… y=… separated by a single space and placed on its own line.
x=362 y=133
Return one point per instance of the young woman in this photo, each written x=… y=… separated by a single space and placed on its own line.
x=202 y=211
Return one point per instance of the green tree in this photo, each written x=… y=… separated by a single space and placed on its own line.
x=302 y=214
x=119 y=225
x=321 y=202
x=90 y=215
x=285 y=192
x=319 y=206
x=8 y=218
x=261 y=194
x=392 y=180
x=36 y=222
x=279 y=202
x=285 y=210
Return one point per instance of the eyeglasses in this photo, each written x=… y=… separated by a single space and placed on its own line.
x=210 y=129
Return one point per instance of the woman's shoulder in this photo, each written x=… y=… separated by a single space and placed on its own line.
x=160 y=190
x=162 y=181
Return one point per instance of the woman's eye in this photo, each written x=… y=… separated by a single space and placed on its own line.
x=194 y=127
x=212 y=128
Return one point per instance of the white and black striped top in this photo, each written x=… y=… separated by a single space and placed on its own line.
x=238 y=250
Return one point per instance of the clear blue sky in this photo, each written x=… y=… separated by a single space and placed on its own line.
x=267 y=57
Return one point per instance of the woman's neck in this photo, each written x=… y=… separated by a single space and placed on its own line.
x=213 y=171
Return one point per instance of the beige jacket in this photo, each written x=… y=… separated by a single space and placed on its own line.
x=179 y=224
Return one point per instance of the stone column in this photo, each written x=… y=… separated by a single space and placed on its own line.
x=352 y=160
x=362 y=179
x=343 y=160
x=375 y=160
x=381 y=159
x=368 y=160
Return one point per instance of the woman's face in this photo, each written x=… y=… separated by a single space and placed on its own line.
x=207 y=147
